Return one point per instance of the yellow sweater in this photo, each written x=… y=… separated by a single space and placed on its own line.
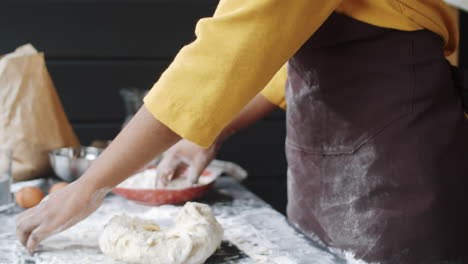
x=239 y=50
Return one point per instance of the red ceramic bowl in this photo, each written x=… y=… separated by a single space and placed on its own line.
x=155 y=197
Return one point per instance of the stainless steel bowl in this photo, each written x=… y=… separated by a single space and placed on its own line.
x=70 y=163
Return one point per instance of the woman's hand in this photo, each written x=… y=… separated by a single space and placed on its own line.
x=185 y=155
x=61 y=210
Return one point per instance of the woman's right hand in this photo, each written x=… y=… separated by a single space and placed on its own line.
x=61 y=210
x=185 y=155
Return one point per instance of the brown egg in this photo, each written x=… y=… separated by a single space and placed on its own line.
x=28 y=197
x=57 y=186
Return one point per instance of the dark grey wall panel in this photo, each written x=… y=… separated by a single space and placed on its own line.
x=89 y=89
x=141 y=29
x=274 y=191
x=260 y=148
x=88 y=132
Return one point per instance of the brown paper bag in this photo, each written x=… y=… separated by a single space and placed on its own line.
x=32 y=120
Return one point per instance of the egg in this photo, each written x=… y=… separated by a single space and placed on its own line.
x=28 y=197
x=57 y=186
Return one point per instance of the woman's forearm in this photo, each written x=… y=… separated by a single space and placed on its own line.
x=256 y=109
x=137 y=144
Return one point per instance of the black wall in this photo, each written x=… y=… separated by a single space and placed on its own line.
x=96 y=47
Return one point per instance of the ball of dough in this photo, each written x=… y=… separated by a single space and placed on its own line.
x=57 y=186
x=28 y=197
x=195 y=236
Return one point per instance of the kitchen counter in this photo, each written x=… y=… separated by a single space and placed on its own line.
x=254 y=232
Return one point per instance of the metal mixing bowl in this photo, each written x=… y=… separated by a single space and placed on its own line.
x=70 y=163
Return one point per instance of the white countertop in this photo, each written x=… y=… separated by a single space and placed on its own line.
x=259 y=233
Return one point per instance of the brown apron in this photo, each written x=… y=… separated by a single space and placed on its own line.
x=377 y=144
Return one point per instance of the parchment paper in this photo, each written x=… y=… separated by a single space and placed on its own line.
x=32 y=120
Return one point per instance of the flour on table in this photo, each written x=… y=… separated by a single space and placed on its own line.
x=147 y=180
x=195 y=236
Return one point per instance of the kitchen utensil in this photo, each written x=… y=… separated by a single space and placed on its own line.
x=70 y=163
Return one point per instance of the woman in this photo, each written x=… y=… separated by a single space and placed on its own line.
x=376 y=137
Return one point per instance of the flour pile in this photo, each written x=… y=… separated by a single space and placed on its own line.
x=195 y=236
x=147 y=180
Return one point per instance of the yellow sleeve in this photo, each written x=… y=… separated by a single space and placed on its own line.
x=235 y=55
x=275 y=89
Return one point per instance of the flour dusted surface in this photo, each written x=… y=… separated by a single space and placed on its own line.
x=195 y=236
x=250 y=224
x=147 y=180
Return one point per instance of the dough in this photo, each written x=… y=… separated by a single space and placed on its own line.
x=195 y=236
